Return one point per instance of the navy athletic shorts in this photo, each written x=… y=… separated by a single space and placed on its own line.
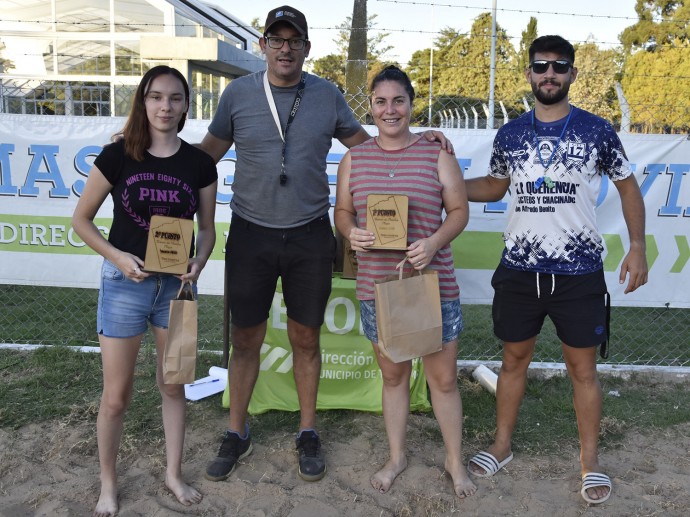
x=575 y=303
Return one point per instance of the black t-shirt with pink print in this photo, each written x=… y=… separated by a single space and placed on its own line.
x=155 y=186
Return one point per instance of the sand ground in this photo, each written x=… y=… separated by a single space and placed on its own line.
x=52 y=470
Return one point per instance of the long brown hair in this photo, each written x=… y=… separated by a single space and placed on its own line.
x=136 y=131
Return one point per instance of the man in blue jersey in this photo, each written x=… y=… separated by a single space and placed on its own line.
x=553 y=159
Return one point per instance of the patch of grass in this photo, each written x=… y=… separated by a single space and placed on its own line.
x=547 y=417
x=639 y=335
x=45 y=384
x=60 y=385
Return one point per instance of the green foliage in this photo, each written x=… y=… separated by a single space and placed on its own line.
x=657 y=66
x=418 y=70
x=594 y=88
x=375 y=43
x=331 y=68
x=5 y=64
x=45 y=384
x=656 y=87
x=661 y=23
x=61 y=386
x=448 y=38
x=467 y=63
x=526 y=39
x=256 y=24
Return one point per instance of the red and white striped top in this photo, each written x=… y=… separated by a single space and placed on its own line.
x=416 y=176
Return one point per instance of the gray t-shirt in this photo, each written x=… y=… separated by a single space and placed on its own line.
x=244 y=116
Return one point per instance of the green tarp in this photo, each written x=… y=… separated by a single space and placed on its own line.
x=350 y=376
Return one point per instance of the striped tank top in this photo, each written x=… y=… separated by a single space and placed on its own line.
x=416 y=176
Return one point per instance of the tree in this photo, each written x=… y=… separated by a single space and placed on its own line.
x=418 y=71
x=445 y=41
x=526 y=39
x=331 y=68
x=594 y=88
x=375 y=47
x=256 y=24
x=656 y=88
x=657 y=64
x=661 y=22
x=467 y=63
x=5 y=64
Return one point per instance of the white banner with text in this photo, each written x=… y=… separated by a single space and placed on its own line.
x=44 y=163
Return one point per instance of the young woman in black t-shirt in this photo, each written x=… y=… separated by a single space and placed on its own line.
x=147 y=170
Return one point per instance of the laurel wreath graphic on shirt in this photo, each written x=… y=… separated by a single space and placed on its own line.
x=191 y=210
x=127 y=208
x=188 y=214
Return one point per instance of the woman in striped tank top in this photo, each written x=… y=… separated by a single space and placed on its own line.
x=399 y=162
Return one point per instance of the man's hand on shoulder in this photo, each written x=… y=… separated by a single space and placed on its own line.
x=437 y=136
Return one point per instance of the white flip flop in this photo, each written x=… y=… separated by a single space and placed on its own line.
x=488 y=462
x=593 y=480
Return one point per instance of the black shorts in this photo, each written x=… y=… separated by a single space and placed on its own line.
x=575 y=303
x=256 y=256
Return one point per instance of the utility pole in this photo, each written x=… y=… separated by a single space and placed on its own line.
x=356 y=67
x=431 y=68
x=492 y=76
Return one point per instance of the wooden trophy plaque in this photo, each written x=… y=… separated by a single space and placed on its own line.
x=168 y=245
x=387 y=219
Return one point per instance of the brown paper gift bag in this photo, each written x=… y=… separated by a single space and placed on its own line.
x=408 y=314
x=179 y=358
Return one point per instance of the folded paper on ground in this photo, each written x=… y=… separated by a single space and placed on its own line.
x=207 y=386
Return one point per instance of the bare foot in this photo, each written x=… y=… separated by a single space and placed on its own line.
x=383 y=479
x=598 y=492
x=462 y=484
x=185 y=494
x=107 y=502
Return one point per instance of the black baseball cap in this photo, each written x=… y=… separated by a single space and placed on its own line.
x=289 y=15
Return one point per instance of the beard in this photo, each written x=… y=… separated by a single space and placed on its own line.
x=553 y=97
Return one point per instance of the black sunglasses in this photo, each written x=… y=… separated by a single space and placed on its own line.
x=560 y=66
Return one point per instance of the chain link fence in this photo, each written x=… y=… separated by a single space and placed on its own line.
x=28 y=96
x=446 y=111
x=67 y=316
x=48 y=315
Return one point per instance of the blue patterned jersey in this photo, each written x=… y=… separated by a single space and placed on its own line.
x=551 y=221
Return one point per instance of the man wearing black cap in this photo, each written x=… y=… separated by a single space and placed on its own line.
x=282 y=123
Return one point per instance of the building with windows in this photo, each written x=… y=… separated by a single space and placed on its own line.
x=86 y=57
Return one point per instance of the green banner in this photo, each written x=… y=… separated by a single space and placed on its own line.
x=350 y=376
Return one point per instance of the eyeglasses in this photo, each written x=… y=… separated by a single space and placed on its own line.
x=560 y=66
x=294 y=44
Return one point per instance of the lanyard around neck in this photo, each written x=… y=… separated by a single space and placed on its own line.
x=291 y=117
x=555 y=147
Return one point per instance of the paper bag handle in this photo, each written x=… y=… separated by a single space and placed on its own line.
x=400 y=266
x=186 y=292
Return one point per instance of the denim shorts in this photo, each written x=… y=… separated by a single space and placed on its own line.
x=451 y=315
x=125 y=307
